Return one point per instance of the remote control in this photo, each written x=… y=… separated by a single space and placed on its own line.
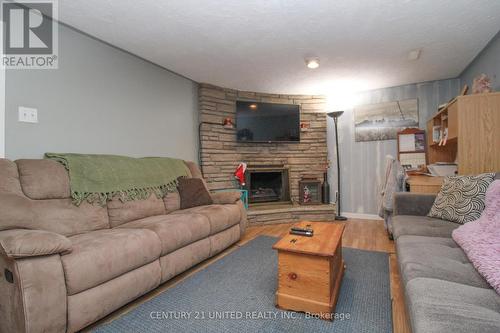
x=307 y=233
x=301 y=229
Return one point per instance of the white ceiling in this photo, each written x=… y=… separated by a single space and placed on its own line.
x=260 y=45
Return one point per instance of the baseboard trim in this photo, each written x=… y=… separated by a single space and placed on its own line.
x=362 y=216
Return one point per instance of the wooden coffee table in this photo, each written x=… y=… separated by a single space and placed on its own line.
x=310 y=269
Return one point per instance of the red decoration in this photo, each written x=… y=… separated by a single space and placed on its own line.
x=239 y=174
x=228 y=123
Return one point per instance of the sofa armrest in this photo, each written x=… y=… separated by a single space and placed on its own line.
x=22 y=243
x=226 y=197
x=244 y=217
x=33 y=295
x=412 y=203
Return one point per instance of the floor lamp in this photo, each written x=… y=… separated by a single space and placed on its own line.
x=335 y=115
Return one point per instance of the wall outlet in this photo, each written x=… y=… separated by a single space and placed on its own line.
x=28 y=115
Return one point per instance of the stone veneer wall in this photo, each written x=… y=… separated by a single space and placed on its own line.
x=220 y=153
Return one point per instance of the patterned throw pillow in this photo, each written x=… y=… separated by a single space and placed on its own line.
x=461 y=198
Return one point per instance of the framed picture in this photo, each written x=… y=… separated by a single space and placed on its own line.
x=383 y=121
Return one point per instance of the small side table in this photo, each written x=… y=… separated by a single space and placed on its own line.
x=310 y=269
x=244 y=194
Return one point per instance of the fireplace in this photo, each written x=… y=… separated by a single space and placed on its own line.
x=267 y=184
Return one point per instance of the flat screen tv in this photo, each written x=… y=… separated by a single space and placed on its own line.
x=267 y=122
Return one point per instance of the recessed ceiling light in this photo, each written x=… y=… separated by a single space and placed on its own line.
x=414 y=54
x=253 y=106
x=312 y=63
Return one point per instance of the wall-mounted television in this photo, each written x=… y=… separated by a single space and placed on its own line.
x=267 y=122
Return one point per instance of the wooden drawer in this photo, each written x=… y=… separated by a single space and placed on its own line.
x=309 y=283
x=304 y=276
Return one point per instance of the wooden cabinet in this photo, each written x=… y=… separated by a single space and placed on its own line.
x=310 y=269
x=473 y=126
x=425 y=184
x=453 y=121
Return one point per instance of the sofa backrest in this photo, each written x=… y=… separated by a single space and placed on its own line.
x=123 y=212
x=35 y=194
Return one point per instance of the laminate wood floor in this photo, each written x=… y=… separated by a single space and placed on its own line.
x=360 y=234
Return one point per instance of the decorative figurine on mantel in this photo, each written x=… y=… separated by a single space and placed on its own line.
x=481 y=84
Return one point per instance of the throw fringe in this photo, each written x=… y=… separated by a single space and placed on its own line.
x=127 y=195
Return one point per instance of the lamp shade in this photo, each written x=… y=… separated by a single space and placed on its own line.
x=335 y=114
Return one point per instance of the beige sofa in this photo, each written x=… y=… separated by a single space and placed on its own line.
x=64 y=267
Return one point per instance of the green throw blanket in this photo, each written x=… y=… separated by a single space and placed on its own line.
x=98 y=178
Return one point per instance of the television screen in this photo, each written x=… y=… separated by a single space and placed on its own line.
x=267 y=122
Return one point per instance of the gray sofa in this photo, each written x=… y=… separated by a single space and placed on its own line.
x=443 y=291
x=64 y=267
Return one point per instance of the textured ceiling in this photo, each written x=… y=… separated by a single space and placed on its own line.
x=260 y=45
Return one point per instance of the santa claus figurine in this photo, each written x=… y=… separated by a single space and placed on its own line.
x=239 y=174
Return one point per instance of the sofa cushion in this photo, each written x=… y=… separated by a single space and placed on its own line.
x=193 y=193
x=63 y=217
x=225 y=197
x=461 y=198
x=172 y=202
x=43 y=179
x=56 y=215
x=421 y=226
x=184 y=258
x=102 y=255
x=436 y=257
x=221 y=217
x=443 y=306
x=10 y=177
x=16 y=212
x=91 y=305
x=224 y=239
x=122 y=212
x=174 y=231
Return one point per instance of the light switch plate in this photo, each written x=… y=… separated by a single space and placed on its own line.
x=28 y=115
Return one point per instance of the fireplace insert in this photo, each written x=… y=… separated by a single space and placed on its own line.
x=267 y=185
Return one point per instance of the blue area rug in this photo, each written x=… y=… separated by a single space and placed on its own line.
x=236 y=294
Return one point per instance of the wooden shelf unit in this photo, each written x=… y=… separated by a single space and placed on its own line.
x=473 y=123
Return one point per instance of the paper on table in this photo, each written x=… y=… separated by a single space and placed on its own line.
x=412 y=161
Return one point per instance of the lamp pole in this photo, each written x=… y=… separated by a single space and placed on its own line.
x=335 y=115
